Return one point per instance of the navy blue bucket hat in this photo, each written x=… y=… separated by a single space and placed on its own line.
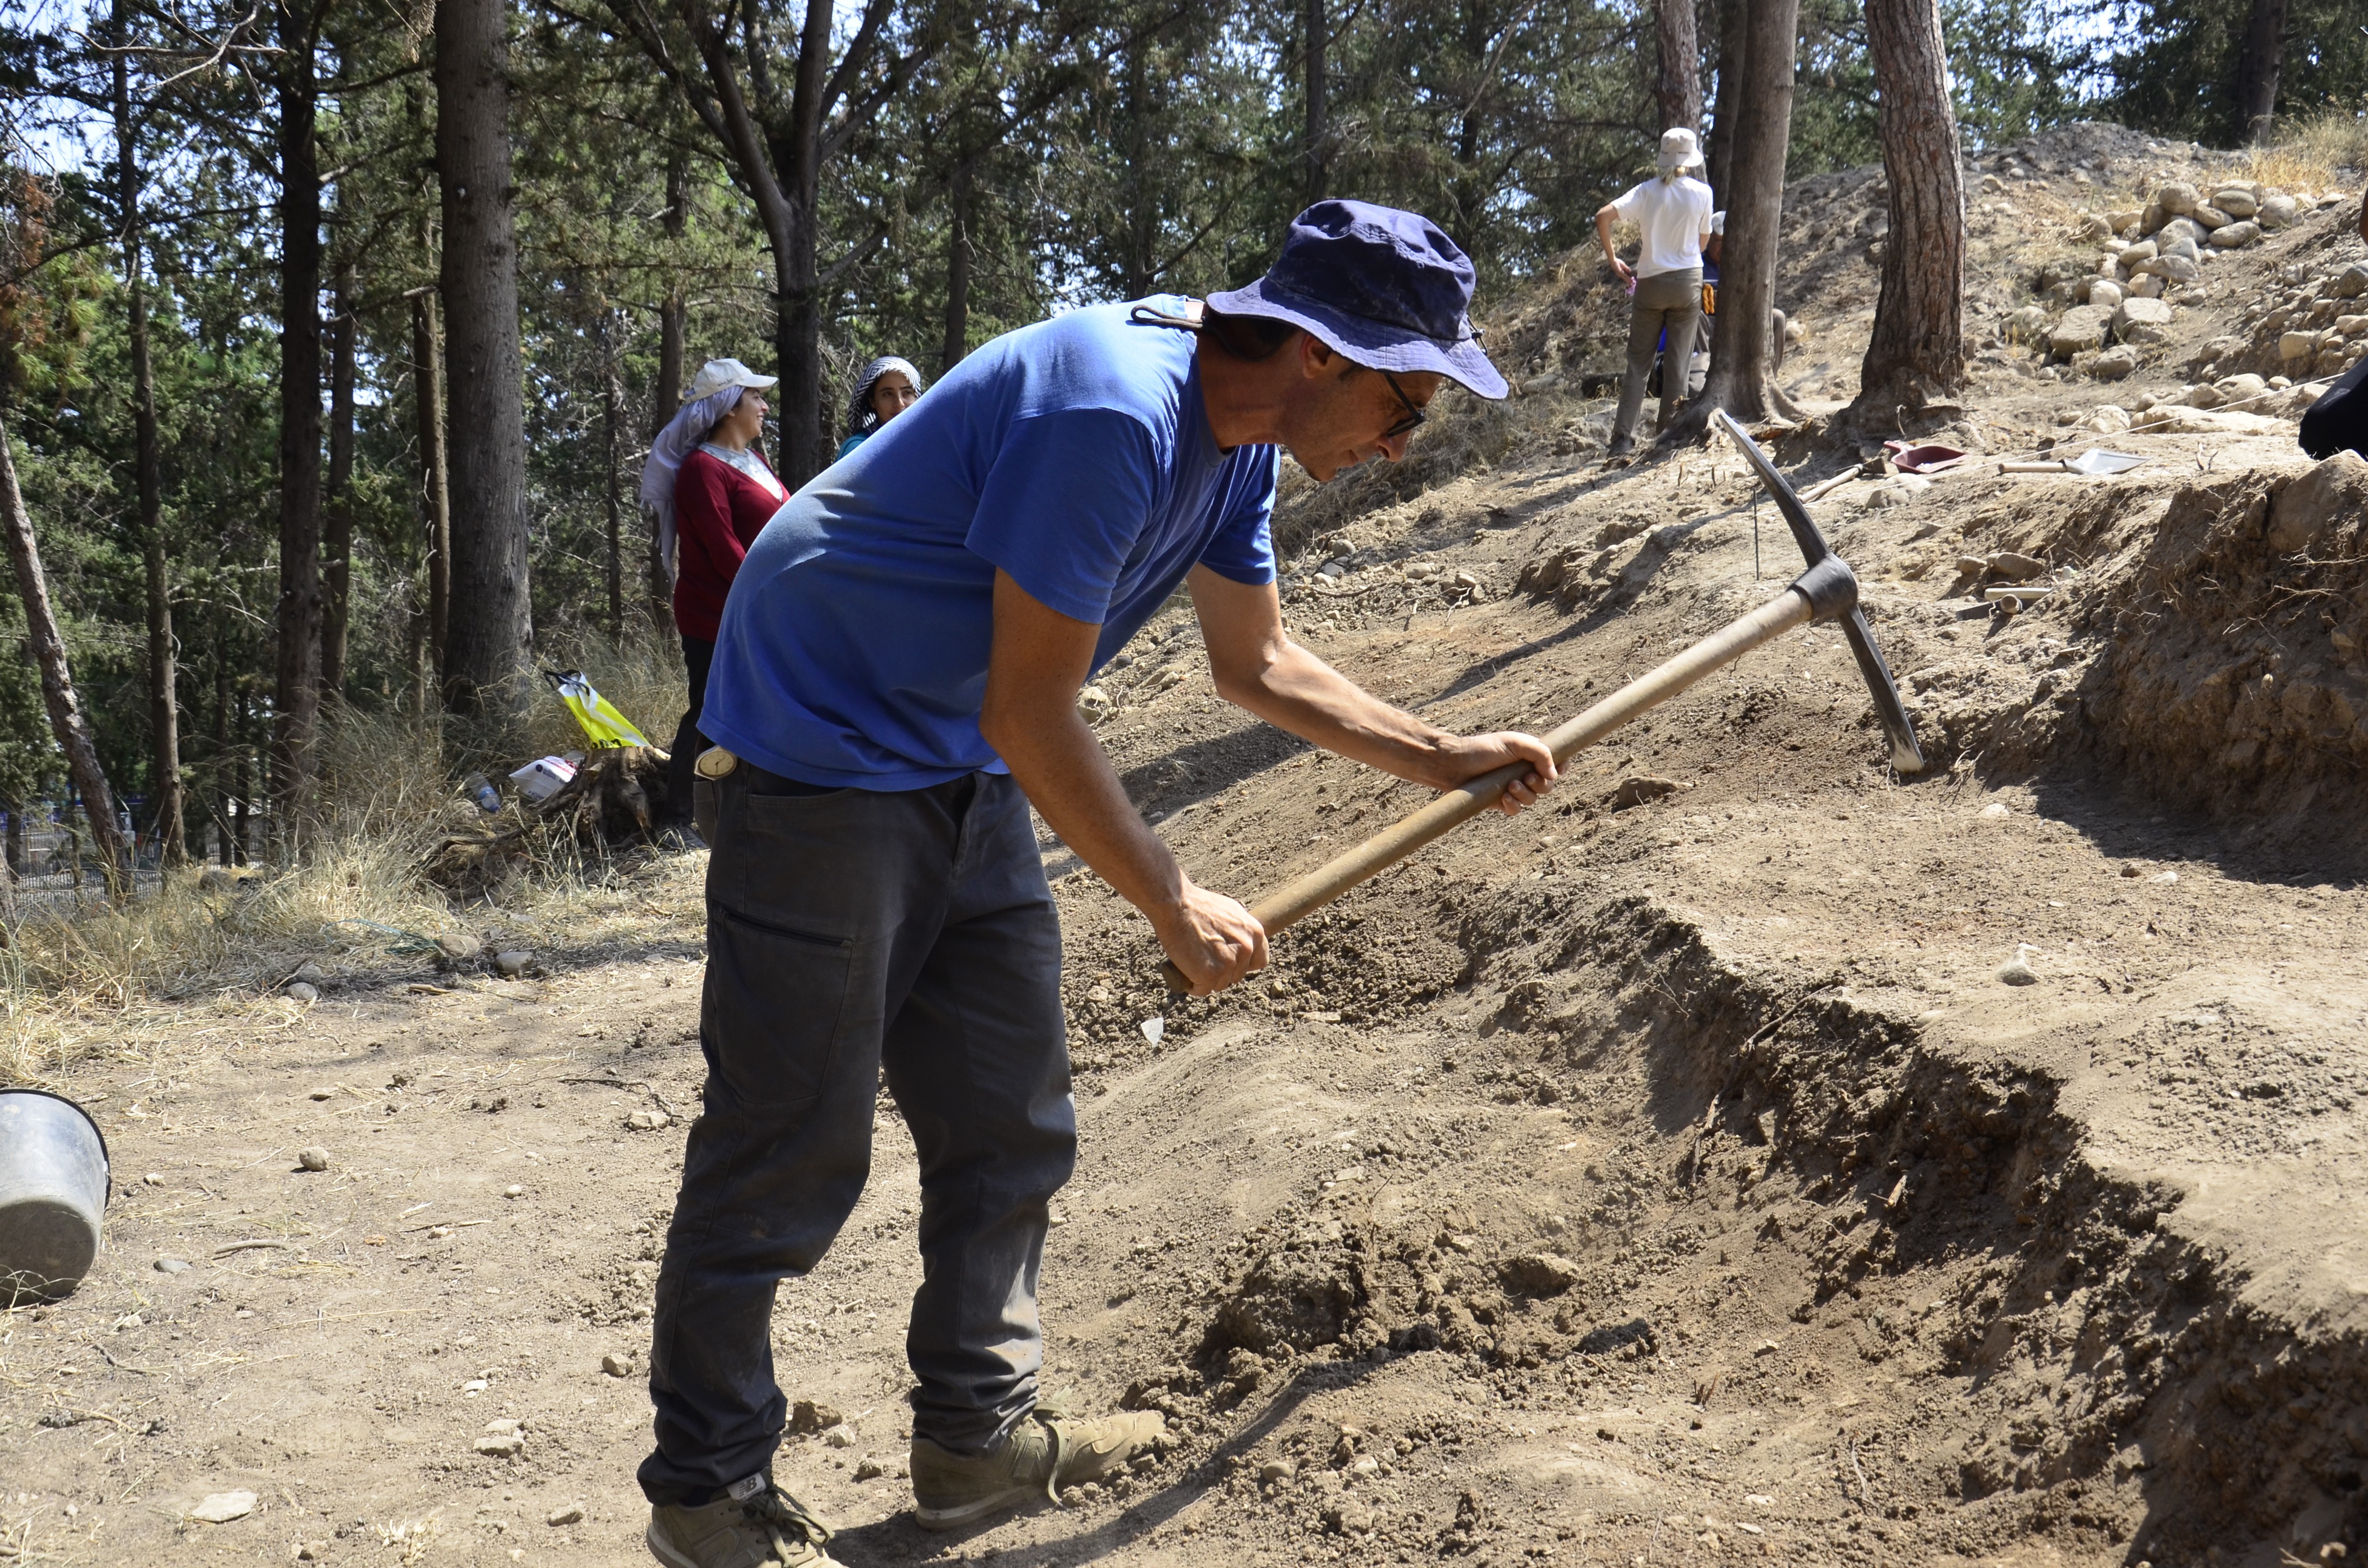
x=1382 y=287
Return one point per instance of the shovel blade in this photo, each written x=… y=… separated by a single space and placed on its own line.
x=2096 y=463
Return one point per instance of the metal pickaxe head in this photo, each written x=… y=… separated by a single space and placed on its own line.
x=1837 y=599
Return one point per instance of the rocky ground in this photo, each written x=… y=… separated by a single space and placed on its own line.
x=1753 y=1155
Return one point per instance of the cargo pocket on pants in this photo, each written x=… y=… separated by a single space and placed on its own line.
x=775 y=1001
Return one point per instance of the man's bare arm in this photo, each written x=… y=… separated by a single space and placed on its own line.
x=1040 y=660
x=1259 y=667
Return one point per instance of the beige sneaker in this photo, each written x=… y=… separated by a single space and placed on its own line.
x=1045 y=1453
x=754 y=1523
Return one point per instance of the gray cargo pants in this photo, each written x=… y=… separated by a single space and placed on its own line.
x=849 y=930
x=1671 y=300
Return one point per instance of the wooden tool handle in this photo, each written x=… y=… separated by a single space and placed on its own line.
x=1296 y=900
x=2055 y=466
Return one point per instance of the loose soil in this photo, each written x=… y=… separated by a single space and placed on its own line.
x=1667 y=1176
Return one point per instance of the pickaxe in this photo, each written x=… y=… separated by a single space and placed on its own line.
x=1827 y=591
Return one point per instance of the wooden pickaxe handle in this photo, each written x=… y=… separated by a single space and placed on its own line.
x=1824 y=590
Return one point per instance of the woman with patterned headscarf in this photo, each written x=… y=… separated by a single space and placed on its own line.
x=885 y=388
x=712 y=492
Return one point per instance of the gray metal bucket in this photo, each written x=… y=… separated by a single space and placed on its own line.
x=53 y=1194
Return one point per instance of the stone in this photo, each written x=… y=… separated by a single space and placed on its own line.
x=297 y=991
x=2236 y=202
x=2204 y=397
x=809 y=1416
x=2277 y=211
x=2352 y=327
x=2172 y=268
x=2174 y=197
x=154 y=1178
x=313 y=1157
x=617 y=1366
x=2107 y=419
x=1094 y=704
x=513 y=962
x=841 y=1436
x=2304 y=508
x=514 y=1190
x=171 y=1266
x=1278 y=1472
x=2092 y=229
x=311 y=974
x=2241 y=388
x=1154 y=1029
x=2106 y=293
x=2145 y=285
x=2080 y=329
x=869 y=1469
x=2182 y=246
x=461 y=948
x=2352 y=281
x=565 y=1514
x=2237 y=236
x=222 y=1507
x=2016 y=567
x=2297 y=345
x=1345 y=1517
x=2124 y=219
x=2145 y=250
x=2151 y=219
x=1636 y=790
x=2210 y=217
x=500 y=1444
x=2017 y=970
x=1538 y=1274
x=644 y=1118
x=2114 y=364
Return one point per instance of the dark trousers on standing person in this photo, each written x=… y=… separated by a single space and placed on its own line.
x=1666 y=300
x=698 y=654
x=849 y=930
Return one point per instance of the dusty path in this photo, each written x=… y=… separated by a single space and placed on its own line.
x=1665 y=1177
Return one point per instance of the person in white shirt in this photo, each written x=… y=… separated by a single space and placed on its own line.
x=1673 y=210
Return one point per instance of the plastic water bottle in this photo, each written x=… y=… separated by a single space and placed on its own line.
x=481 y=789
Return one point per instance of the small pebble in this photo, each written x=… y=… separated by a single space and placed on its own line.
x=324 y=1093
x=514 y=962
x=2132 y=872
x=172 y=1266
x=565 y=1514
x=840 y=1436
x=2017 y=970
x=869 y=1469
x=1153 y=1028
x=645 y=1120
x=1278 y=1471
x=1995 y=810
x=222 y=1507
x=313 y=1157
x=2167 y=877
x=297 y=990
x=514 y=1190
x=617 y=1366
x=154 y=1178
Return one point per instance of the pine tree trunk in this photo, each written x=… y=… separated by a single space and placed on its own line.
x=2258 y=70
x=1917 y=355
x=488 y=640
x=1734 y=52
x=337 y=533
x=164 y=715
x=1678 y=83
x=66 y=721
x=1316 y=28
x=958 y=262
x=218 y=759
x=665 y=398
x=612 y=417
x=1740 y=354
x=296 y=698
x=435 y=491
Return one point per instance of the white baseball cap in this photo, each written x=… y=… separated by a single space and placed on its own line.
x=717 y=374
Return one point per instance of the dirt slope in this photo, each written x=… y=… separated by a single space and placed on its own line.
x=1665 y=1176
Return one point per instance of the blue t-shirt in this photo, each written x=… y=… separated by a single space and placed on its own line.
x=1074 y=454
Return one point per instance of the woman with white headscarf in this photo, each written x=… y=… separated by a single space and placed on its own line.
x=885 y=388
x=713 y=493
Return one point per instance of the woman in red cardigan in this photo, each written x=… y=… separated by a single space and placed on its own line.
x=713 y=491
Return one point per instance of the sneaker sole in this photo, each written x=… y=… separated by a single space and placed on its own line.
x=662 y=1552
x=931 y=1519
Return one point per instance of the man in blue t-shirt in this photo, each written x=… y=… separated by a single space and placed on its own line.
x=894 y=684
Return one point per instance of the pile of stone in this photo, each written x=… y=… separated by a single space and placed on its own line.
x=2316 y=328
x=2148 y=260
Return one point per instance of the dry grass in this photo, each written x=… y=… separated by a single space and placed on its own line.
x=83 y=979
x=2316 y=151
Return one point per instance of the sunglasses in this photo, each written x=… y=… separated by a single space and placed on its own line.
x=1414 y=415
